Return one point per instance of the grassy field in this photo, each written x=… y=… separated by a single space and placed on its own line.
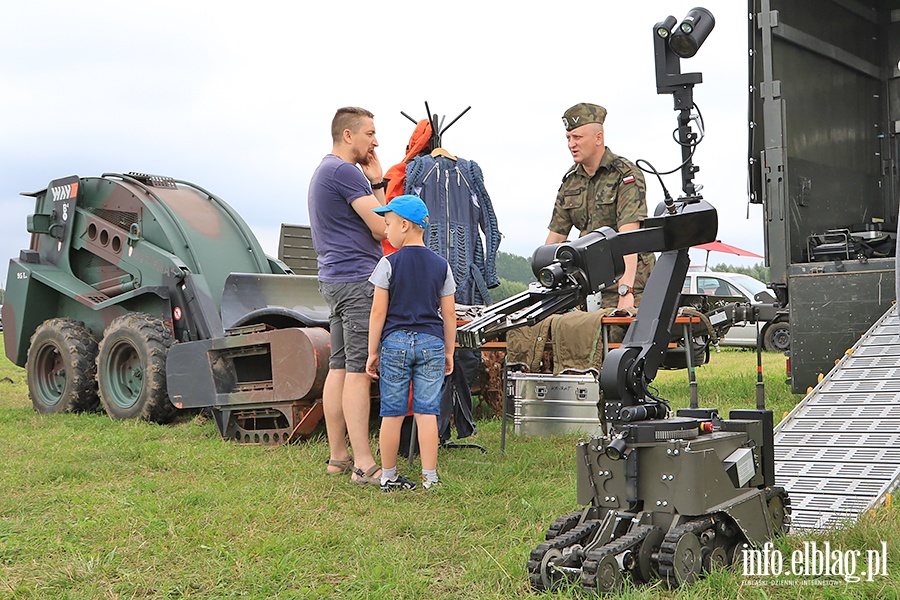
x=92 y=508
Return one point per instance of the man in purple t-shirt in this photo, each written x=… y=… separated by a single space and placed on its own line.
x=346 y=235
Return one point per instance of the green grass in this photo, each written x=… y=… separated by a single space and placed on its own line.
x=92 y=508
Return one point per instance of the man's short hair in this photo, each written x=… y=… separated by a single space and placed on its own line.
x=349 y=117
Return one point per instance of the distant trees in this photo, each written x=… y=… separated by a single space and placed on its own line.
x=757 y=271
x=515 y=275
x=514 y=267
x=506 y=289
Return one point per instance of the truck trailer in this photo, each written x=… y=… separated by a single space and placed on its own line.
x=824 y=142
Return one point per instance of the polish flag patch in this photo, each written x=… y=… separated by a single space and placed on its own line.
x=629 y=179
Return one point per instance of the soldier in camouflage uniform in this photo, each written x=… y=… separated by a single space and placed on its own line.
x=601 y=190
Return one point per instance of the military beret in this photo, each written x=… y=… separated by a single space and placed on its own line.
x=583 y=113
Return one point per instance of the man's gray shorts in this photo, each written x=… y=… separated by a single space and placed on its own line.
x=350 y=305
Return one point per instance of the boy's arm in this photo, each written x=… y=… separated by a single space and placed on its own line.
x=448 y=315
x=376 y=326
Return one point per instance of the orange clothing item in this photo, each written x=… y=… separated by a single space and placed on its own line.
x=396 y=175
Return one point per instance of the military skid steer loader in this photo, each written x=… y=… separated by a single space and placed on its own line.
x=148 y=295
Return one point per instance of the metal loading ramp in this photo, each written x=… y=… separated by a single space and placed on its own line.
x=838 y=452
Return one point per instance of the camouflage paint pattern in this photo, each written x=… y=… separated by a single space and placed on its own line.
x=102 y=247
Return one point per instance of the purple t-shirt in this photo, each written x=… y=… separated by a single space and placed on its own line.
x=345 y=246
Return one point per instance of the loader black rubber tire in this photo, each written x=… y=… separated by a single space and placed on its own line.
x=61 y=367
x=131 y=368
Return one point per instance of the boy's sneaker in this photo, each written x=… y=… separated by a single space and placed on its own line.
x=401 y=483
x=428 y=484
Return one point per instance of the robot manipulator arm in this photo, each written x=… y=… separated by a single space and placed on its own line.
x=569 y=272
x=591 y=262
x=566 y=273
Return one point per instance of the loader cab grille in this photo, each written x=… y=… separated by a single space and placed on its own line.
x=120 y=218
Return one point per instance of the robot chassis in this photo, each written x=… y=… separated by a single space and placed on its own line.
x=665 y=496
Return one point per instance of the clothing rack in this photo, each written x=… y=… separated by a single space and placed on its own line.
x=437 y=127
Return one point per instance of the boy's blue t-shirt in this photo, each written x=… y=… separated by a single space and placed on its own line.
x=416 y=278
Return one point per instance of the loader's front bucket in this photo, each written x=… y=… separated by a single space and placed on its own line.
x=263 y=380
x=277 y=300
x=264 y=385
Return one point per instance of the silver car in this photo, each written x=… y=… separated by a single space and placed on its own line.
x=776 y=335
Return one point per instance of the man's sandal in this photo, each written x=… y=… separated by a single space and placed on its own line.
x=366 y=477
x=344 y=466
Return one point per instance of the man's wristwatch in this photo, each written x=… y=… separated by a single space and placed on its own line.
x=624 y=290
x=381 y=184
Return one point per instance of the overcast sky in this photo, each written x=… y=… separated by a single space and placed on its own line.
x=238 y=98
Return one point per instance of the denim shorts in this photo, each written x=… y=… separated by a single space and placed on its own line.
x=350 y=305
x=408 y=356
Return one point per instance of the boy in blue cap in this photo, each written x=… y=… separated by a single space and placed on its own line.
x=412 y=332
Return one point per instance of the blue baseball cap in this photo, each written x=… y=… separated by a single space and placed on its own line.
x=409 y=207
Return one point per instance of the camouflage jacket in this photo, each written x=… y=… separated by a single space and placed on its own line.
x=614 y=196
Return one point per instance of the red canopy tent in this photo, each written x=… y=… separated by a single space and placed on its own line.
x=719 y=246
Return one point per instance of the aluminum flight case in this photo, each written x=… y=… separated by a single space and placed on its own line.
x=545 y=404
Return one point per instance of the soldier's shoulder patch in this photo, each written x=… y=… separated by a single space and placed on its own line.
x=623 y=165
x=628 y=179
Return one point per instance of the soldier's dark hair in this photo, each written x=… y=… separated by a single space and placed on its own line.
x=349 y=117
